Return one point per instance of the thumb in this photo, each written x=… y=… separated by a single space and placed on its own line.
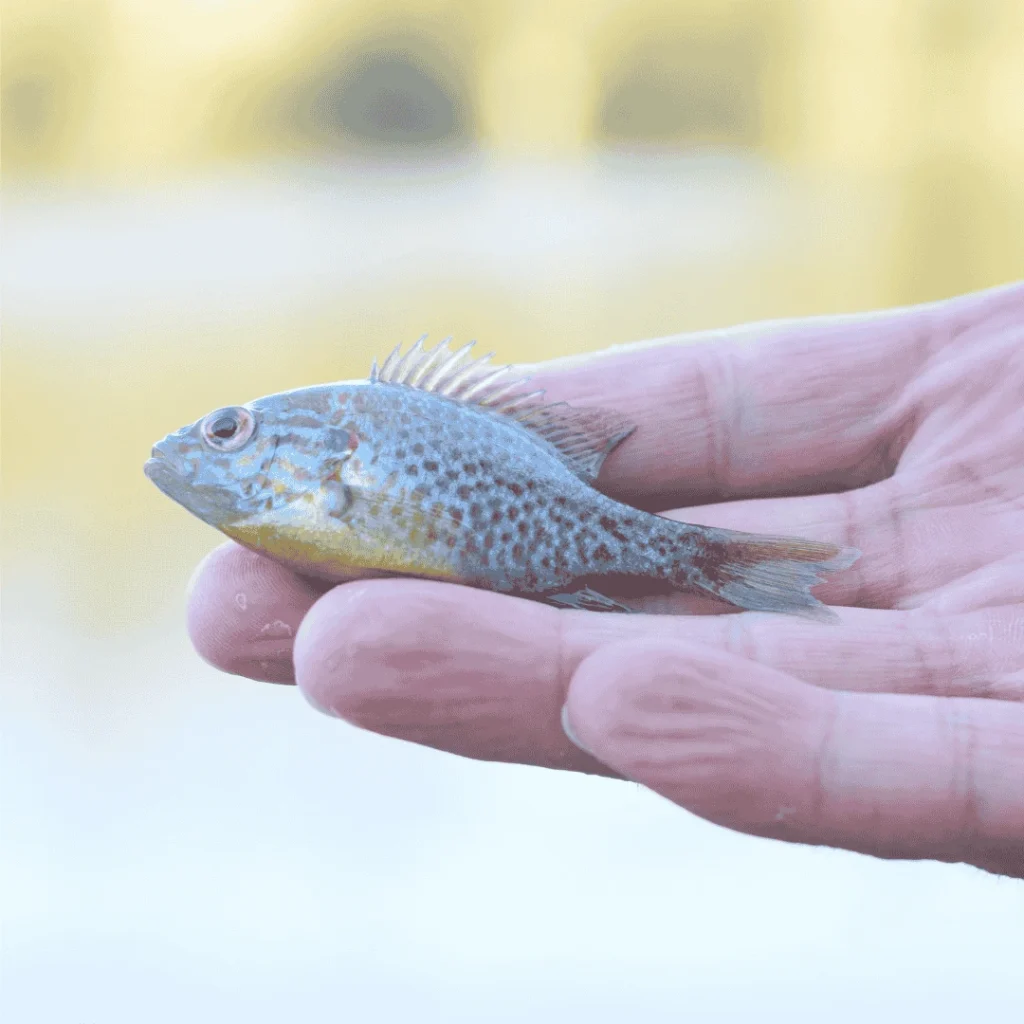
x=759 y=751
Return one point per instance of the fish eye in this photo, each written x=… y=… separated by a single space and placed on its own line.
x=227 y=430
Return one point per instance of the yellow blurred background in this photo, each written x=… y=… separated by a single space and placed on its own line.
x=212 y=199
x=205 y=201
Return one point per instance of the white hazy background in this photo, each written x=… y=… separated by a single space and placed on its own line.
x=180 y=845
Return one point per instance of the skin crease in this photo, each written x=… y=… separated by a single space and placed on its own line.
x=898 y=732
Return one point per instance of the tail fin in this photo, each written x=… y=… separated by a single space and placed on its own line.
x=763 y=573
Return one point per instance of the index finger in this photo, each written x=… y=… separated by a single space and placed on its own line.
x=771 y=409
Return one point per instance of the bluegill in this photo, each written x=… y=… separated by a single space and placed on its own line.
x=443 y=468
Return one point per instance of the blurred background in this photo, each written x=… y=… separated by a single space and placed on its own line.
x=208 y=200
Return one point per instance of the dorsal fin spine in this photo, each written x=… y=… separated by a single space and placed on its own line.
x=438 y=353
x=447 y=366
x=582 y=437
x=408 y=361
x=389 y=363
x=495 y=397
x=481 y=386
x=454 y=384
x=532 y=412
x=513 y=407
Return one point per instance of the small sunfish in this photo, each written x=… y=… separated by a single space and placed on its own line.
x=438 y=467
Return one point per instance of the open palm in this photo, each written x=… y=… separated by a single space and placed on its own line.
x=898 y=732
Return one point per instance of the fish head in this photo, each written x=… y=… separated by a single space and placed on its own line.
x=247 y=462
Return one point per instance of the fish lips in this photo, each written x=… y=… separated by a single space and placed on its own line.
x=167 y=472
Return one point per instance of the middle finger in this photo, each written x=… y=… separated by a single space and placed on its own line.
x=485 y=676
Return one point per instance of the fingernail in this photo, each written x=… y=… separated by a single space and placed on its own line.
x=567 y=729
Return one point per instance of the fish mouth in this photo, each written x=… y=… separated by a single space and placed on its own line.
x=162 y=453
x=175 y=477
x=166 y=470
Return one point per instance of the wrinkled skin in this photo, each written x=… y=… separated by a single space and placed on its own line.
x=898 y=732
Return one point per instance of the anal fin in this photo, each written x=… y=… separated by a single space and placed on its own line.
x=587 y=600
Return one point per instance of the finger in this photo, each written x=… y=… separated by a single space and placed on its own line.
x=244 y=611
x=769 y=409
x=255 y=640
x=895 y=524
x=757 y=750
x=485 y=676
x=429 y=663
x=1000 y=582
x=878 y=521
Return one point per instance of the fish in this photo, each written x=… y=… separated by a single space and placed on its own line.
x=439 y=466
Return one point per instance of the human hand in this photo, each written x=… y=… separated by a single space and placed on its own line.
x=897 y=732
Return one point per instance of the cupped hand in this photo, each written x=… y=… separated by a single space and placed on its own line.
x=897 y=732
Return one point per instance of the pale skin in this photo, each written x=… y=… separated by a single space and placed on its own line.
x=896 y=732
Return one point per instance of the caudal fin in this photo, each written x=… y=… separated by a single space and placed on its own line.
x=763 y=573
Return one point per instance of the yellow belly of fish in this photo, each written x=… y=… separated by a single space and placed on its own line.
x=305 y=536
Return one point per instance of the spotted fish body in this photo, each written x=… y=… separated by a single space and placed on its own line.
x=437 y=468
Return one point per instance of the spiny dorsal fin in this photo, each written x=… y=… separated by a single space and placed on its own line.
x=582 y=437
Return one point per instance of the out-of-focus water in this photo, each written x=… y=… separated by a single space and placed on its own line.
x=180 y=845
x=183 y=845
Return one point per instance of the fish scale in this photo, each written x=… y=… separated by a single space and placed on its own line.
x=514 y=518
x=436 y=467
